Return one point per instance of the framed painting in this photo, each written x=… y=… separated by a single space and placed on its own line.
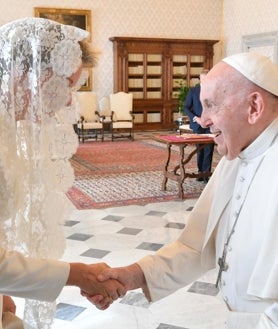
x=75 y=17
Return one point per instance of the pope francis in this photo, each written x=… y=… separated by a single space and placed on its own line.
x=234 y=223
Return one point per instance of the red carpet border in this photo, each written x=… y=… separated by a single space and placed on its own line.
x=120 y=173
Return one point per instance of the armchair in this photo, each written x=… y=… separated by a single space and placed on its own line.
x=104 y=109
x=121 y=105
x=89 y=124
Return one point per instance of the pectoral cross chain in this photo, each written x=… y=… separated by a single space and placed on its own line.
x=223 y=266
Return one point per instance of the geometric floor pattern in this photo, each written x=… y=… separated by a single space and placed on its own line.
x=120 y=236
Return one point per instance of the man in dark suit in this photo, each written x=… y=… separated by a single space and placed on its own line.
x=193 y=109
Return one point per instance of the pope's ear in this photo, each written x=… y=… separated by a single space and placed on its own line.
x=256 y=107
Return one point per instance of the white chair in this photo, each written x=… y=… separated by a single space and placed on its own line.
x=89 y=124
x=104 y=109
x=121 y=105
x=105 y=113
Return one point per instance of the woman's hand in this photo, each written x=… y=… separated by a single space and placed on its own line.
x=8 y=304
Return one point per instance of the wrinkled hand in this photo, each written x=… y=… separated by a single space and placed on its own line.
x=99 y=301
x=8 y=304
x=131 y=277
x=85 y=277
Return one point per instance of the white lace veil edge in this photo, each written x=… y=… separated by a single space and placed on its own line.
x=37 y=57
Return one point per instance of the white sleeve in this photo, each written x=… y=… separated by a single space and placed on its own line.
x=27 y=277
x=171 y=268
x=245 y=320
x=269 y=320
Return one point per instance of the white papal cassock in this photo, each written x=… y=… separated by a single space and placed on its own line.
x=243 y=190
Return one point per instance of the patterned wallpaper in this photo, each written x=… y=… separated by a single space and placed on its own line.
x=247 y=17
x=159 y=18
x=145 y=18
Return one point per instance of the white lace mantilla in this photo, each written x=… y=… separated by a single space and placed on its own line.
x=37 y=140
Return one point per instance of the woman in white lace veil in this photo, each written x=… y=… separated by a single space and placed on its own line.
x=40 y=61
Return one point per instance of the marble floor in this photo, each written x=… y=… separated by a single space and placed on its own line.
x=120 y=236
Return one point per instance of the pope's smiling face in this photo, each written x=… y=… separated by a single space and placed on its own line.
x=224 y=96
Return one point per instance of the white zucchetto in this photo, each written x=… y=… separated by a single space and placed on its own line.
x=257 y=68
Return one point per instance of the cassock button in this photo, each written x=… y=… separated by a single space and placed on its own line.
x=238 y=196
x=242 y=179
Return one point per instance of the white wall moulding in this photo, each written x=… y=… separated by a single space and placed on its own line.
x=264 y=43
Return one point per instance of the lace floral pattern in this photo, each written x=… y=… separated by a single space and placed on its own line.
x=37 y=140
x=55 y=91
x=64 y=58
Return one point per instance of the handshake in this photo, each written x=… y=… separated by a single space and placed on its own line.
x=101 y=285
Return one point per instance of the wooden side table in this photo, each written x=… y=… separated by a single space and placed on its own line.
x=180 y=172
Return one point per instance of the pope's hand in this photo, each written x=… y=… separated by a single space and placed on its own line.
x=131 y=277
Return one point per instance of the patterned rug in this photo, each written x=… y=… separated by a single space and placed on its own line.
x=110 y=174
